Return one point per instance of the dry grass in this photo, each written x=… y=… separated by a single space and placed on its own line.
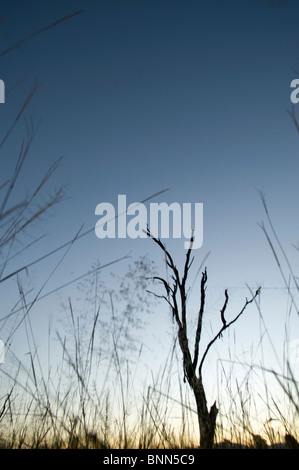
x=92 y=402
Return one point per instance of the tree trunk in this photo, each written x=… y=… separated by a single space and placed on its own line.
x=206 y=418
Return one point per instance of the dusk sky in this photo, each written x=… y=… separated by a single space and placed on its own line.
x=141 y=96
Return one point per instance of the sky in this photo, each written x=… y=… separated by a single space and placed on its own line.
x=138 y=97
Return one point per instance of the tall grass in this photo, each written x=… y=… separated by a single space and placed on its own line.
x=78 y=407
x=92 y=400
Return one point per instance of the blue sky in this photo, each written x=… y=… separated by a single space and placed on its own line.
x=139 y=96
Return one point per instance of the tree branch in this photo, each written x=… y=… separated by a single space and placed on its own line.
x=183 y=283
x=224 y=308
x=226 y=325
x=200 y=317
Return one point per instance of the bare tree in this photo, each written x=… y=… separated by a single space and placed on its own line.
x=176 y=297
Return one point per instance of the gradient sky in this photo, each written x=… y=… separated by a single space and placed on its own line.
x=140 y=96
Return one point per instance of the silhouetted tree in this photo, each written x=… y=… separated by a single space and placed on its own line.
x=176 y=297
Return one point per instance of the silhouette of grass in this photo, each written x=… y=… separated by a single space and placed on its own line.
x=68 y=409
